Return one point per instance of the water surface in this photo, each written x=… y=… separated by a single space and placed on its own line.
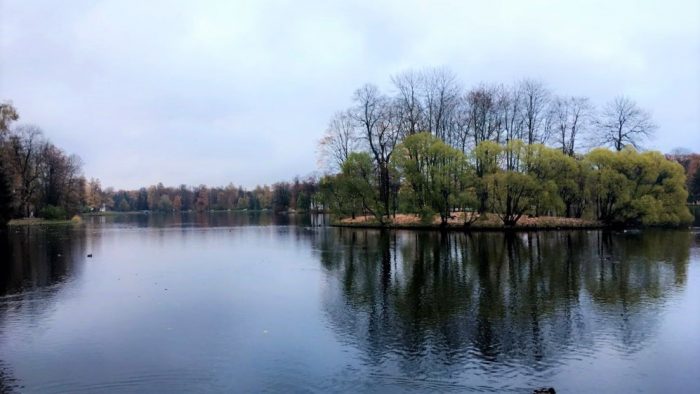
x=250 y=303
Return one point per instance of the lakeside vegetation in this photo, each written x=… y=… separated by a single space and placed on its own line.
x=432 y=154
x=436 y=150
x=43 y=222
x=40 y=183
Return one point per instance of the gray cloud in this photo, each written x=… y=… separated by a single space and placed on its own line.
x=221 y=91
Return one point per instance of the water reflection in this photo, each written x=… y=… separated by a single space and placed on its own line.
x=532 y=300
x=208 y=219
x=34 y=258
x=34 y=264
x=276 y=302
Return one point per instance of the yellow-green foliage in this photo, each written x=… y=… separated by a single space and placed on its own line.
x=633 y=187
x=437 y=174
x=516 y=179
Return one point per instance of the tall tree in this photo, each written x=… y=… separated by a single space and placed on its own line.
x=622 y=123
x=441 y=95
x=484 y=122
x=695 y=186
x=339 y=140
x=8 y=114
x=535 y=100
x=377 y=117
x=570 y=116
x=24 y=157
x=5 y=196
x=408 y=87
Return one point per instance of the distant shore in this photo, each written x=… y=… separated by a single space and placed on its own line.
x=149 y=212
x=489 y=222
x=41 y=222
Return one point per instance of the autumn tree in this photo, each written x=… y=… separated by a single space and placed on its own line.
x=24 y=160
x=695 y=186
x=8 y=114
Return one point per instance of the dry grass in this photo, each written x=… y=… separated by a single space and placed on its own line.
x=485 y=221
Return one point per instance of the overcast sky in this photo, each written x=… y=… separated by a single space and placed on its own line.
x=222 y=91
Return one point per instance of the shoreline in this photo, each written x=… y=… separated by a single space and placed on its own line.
x=487 y=224
x=42 y=222
x=475 y=228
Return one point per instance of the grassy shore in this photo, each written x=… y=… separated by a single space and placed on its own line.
x=43 y=222
x=486 y=222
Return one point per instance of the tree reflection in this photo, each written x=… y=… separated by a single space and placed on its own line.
x=529 y=298
x=36 y=257
x=34 y=264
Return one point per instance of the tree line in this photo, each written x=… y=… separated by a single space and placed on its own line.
x=691 y=164
x=38 y=179
x=298 y=195
x=432 y=147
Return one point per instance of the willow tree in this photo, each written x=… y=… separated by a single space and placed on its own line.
x=435 y=172
x=629 y=187
x=355 y=188
x=512 y=190
x=485 y=160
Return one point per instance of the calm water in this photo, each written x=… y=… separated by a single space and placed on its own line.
x=250 y=303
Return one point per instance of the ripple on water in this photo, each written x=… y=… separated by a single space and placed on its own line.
x=176 y=380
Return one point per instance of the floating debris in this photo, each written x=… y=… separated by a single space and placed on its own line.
x=546 y=390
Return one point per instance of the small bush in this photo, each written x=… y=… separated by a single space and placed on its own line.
x=426 y=215
x=51 y=212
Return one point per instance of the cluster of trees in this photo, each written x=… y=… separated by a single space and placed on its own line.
x=435 y=148
x=298 y=195
x=36 y=177
x=691 y=165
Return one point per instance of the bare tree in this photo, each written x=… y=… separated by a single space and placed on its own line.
x=623 y=123
x=408 y=92
x=377 y=116
x=462 y=124
x=60 y=177
x=8 y=114
x=339 y=140
x=535 y=99
x=441 y=95
x=508 y=102
x=24 y=153
x=485 y=124
x=570 y=117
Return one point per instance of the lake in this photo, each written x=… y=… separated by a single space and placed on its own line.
x=232 y=302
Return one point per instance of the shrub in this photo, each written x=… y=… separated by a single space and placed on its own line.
x=52 y=212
